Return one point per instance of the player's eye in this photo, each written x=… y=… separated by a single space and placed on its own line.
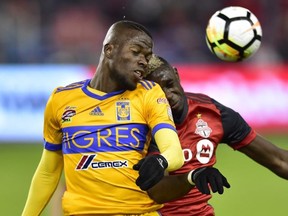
x=134 y=51
x=148 y=57
x=170 y=84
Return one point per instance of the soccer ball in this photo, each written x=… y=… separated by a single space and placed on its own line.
x=233 y=34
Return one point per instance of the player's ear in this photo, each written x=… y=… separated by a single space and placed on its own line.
x=176 y=73
x=108 y=50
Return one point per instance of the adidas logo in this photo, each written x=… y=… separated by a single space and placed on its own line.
x=96 y=112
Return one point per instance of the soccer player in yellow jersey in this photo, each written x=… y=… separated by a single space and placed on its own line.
x=96 y=130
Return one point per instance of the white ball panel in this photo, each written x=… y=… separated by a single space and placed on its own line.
x=216 y=28
x=234 y=11
x=241 y=32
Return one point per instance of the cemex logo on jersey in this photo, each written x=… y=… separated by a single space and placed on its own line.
x=87 y=161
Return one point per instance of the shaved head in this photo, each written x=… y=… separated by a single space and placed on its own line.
x=127 y=48
x=119 y=30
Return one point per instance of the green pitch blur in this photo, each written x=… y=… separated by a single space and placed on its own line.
x=255 y=191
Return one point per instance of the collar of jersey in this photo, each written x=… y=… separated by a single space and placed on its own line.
x=94 y=93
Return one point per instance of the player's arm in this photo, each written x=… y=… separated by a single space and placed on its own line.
x=178 y=184
x=170 y=188
x=268 y=155
x=204 y=178
x=170 y=148
x=164 y=130
x=175 y=186
x=152 y=168
x=159 y=118
x=239 y=135
x=44 y=182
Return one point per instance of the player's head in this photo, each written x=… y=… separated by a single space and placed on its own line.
x=160 y=71
x=127 y=49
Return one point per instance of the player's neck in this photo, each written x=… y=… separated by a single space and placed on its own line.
x=102 y=83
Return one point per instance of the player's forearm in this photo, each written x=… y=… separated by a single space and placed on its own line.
x=170 y=188
x=280 y=167
x=41 y=190
x=268 y=155
x=169 y=146
x=44 y=183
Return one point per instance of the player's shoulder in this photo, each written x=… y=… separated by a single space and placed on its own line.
x=70 y=87
x=206 y=101
x=148 y=85
x=199 y=98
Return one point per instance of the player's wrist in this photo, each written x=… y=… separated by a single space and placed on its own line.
x=162 y=161
x=189 y=177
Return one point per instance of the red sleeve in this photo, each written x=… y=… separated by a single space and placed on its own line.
x=246 y=141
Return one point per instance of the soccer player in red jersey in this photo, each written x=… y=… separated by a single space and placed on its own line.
x=202 y=123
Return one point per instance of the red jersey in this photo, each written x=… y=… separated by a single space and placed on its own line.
x=205 y=123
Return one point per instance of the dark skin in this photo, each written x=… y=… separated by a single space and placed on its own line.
x=123 y=60
x=260 y=149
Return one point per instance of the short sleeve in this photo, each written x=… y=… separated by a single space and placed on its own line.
x=52 y=130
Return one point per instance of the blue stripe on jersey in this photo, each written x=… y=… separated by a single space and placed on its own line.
x=160 y=126
x=98 y=97
x=104 y=138
x=147 y=84
x=52 y=147
x=71 y=86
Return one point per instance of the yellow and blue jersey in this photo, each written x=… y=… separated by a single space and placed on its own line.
x=102 y=135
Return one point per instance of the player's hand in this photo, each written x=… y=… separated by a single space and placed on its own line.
x=151 y=171
x=209 y=176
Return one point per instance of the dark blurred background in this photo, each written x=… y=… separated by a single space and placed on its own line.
x=71 y=31
x=48 y=43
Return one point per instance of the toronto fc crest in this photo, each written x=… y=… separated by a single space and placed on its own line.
x=202 y=128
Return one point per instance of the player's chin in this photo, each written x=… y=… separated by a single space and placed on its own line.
x=175 y=106
x=178 y=105
x=131 y=86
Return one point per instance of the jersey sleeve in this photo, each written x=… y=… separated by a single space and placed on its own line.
x=52 y=131
x=157 y=110
x=237 y=132
x=164 y=132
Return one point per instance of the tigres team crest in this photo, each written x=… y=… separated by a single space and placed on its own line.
x=123 y=112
